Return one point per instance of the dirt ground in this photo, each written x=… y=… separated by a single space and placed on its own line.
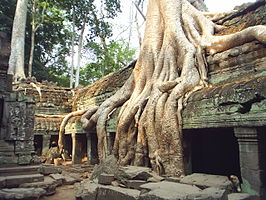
x=66 y=192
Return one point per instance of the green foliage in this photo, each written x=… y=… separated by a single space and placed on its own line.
x=119 y=56
x=7 y=10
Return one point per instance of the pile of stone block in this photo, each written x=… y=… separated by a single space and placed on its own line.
x=32 y=182
x=111 y=182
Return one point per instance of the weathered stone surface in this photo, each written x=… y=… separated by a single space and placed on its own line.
x=21 y=170
x=49 y=185
x=47 y=169
x=167 y=191
x=117 y=193
x=59 y=178
x=21 y=193
x=68 y=180
x=242 y=196
x=134 y=173
x=107 y=166
x=155 y=178
x=134 y=184
x=206 y=180
x=92 y=191
x=14 y=181
x=210 y=194
x=86 y=190
x=106 y=179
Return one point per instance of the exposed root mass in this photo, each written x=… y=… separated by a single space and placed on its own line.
x=171 y=66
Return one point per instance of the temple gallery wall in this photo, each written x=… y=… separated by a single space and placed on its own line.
x=224 y=125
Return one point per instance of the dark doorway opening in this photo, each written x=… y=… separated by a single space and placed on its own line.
x=214 y=151
x=38 y=141
x=1 y=111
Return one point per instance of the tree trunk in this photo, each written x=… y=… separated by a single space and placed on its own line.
x=31 y=51
x=170 y=67
x=79 y=53
x=16 y=60
x=72 y=46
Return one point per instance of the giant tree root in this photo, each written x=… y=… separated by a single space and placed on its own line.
x=171 y=66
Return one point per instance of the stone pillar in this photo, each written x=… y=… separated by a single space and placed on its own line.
x=110 y=142
x=45 y=143
x=76 y=148
x=252 y=155
x=92 y=148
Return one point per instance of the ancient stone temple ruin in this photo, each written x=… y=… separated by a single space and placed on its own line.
x=224 y=124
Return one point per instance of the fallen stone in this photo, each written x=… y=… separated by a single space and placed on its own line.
x=173 y=179
x=21 y=193
x=49 y=185
x=86 y=190
x=106 y=179
x=167 y=191
x=68 y=180
x=206 y=180
x=59 y=178
x=2 y=182
x=48 y=169
x=107 y=166
x=15 y=181
x=90 y=190
x=134 y=184
x=210 y=194
x=117 y=193
x=242 y=196
x=155 y=178
x=134 y=173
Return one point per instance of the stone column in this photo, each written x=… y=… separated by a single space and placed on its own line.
x=110 y=142
x=45 y=143
x=252 y=155
x=92 y=148
x=76 y=149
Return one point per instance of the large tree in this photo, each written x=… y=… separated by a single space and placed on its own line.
x=171 y=65
x=16 y=60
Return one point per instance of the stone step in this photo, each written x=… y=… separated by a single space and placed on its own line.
x=15 y=181
x=20 y=170
x=6 y=146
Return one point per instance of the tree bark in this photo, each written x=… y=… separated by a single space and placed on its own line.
x=16 y=60
x=171 y=66
x=80 y=46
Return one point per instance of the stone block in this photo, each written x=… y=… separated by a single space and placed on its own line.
x=134 y=184
x=49 y=185
x=14 y=181
x=167 y=191
x=107 y=166
x=206 y=180
x=106 y=179
x=21 y=193
x=134 y=173
x=210 y=194
x=68 y=180
x=117 y=193
x=242 y=196
x=50 y=169
x=86 y=190
x=2 y=182
x=59 y=178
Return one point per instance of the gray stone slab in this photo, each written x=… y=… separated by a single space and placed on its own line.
x=210 y=194
x=167 y=191
x=242 y=196
x=117 y=193
x=134 y=173
x=14 y=181
x=206 y=180
x=49 y=185
x=21 y=193
x=134 y=184
x=59 y=178
x=47 y=169
x=86 y=190
x=106 y=179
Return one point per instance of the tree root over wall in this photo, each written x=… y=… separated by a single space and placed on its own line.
x=171 y=66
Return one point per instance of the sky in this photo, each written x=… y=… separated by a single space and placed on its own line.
x=121 y=24
x=224 y=5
